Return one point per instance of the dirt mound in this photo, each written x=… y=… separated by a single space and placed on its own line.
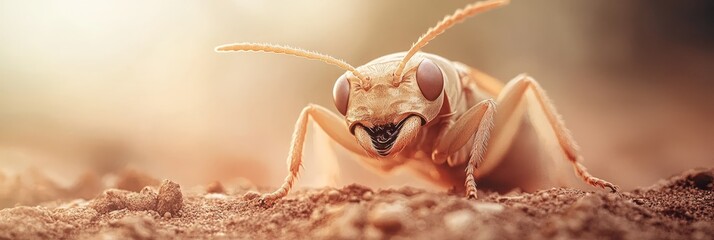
x=678 y=208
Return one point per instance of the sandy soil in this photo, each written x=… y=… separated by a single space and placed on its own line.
x=681 y=207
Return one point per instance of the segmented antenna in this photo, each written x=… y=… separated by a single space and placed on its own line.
x=272 y=48
x=448 y=21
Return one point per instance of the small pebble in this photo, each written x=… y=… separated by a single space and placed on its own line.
x=250 y=195
x=639 y=201
x=388 y=217
x=422 y=201
x=367 y=196
x=520 y=206
x=215 y=187
x=115 y=199
x=703 y=180
x=170 y=198
x=545 y=195
x=333 y=194
x=562 y=197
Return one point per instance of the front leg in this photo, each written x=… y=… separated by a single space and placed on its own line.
x=476 y=122
x=514 y=92
x=332 y=124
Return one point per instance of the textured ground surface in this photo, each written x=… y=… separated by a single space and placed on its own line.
x=681 y=207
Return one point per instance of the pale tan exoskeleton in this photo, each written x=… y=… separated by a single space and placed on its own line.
x=427 y=113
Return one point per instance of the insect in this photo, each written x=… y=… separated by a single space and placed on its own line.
x=447 y=121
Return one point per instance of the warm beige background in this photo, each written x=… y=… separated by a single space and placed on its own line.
x=89 y=85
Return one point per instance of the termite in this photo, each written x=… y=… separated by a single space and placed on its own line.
x=449 y=122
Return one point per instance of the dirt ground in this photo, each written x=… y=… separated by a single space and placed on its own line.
x=681 y=207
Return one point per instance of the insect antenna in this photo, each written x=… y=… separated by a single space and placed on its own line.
x=272 y=48
x=448 y=21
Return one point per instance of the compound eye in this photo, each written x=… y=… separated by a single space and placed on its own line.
x=429 y=79
x=341 y=94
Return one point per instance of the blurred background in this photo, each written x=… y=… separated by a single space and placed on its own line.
x=100 y=86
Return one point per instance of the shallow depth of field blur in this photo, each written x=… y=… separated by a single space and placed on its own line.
x=98 y=86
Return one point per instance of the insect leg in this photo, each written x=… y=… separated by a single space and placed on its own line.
x=332 y=124
x=476 y=123
x=519 y=87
